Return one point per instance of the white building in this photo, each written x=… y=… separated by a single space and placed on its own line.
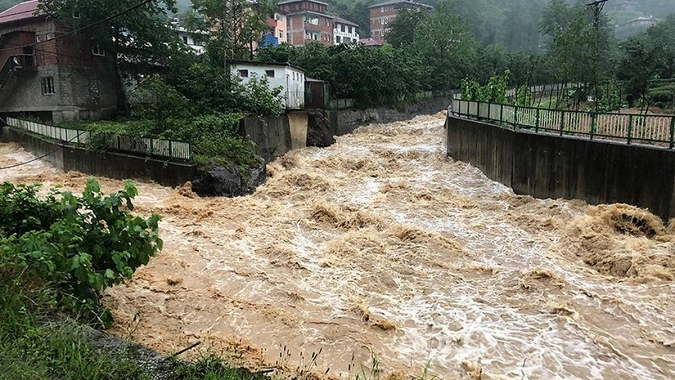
x=195 y=40
x=344 y=32
x=290 y=78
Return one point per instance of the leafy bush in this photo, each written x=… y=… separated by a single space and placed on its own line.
x=79 y=246
x=215 y=150
x=154 y=100
x=493 y=92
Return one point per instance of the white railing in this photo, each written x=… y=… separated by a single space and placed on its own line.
x=154 y=147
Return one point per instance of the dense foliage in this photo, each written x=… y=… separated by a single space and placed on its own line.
x=76 y=246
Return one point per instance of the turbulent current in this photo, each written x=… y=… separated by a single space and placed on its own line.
x=380 y=253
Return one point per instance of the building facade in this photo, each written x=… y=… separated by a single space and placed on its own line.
x=307 y=21
x=291 y=79
x=195 y=40
x=49 y=73
x=382 y=14
x=280 y=27
x=345 y=32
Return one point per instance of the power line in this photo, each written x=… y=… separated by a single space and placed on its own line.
x=84 y=27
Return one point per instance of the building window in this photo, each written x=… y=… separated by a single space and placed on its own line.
x=269 y=73
x=198 y=43
x=243 y=73
x=338 y=39
x=47 y=84
x=342 y=28
x=385 y=21
x=351 y=29
x=383 y=9
x=281 y=33
x=185 y=39
x=97 y=49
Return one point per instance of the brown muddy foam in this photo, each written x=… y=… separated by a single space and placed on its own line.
x=379 y=246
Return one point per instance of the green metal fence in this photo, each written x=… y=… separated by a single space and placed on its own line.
x=632 y=128
x=153 y=147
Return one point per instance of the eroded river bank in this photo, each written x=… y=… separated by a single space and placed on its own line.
x=380 y=246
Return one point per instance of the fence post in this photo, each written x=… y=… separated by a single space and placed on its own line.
x=515 y=117
x=536 y=124
x=489 y=117
x=630 y=128
x=594 y=118
x=170 y=149
x=501 y=114
x=562 y=122
x=672 y=132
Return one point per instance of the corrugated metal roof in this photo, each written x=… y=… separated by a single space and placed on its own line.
x=20 y=11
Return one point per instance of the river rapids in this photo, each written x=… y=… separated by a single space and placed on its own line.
x=380 y=255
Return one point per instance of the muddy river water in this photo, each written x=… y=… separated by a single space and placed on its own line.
x=381 y=252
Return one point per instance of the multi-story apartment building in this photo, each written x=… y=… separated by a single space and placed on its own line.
x=344 y=31
x=384 y=13
x=281 y=27
x=307 y=21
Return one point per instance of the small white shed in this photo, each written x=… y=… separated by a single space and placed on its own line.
x=292 y=79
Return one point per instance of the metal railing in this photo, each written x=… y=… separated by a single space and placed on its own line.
x=632 y=128
x=178 y=150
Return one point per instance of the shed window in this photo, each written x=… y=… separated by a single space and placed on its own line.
x=47 y=84
x=269 y=73
x=243 y=73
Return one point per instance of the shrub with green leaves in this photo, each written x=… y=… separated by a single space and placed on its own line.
x=76 y=245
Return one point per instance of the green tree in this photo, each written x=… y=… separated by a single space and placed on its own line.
x=580 y=50
x=447 y=46
x=234 y=24
x=401 y=32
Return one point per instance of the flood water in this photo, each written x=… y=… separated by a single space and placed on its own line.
x=382 y=252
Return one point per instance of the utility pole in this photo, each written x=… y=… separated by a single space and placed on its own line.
x=596 y=7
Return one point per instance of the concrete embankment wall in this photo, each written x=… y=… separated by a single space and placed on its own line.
x=112 y=165
x=346 y=121
x=274 y=136
x=277 y=135
x=550 y=166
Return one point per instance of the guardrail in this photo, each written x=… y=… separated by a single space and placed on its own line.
x=650 y=129
x=178 y=150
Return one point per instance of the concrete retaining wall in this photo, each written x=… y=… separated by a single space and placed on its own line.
x=112 y=165
x=550 y=166
x=346 y=121
x=276 y=135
